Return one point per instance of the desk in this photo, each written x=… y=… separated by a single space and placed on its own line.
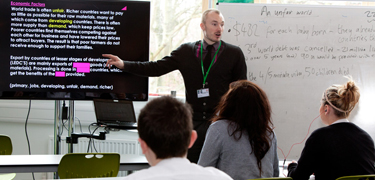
x=284 y=170
x=49 y=163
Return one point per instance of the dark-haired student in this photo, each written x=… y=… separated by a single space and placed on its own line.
x=166 y=132
x=241 y=141
x=207 y=66
x=341 y=148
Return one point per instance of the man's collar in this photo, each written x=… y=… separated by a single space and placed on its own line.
x=216 y=45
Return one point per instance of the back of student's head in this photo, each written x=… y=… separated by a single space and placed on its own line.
x=248 y=109
x=246 y=104
x=165 y=124
x=342 y=98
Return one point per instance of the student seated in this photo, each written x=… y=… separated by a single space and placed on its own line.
x=241 y=141
x=166 y=132
x=341 y=148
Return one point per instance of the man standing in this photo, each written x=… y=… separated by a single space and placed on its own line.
x=166 y=132
x=208 y=66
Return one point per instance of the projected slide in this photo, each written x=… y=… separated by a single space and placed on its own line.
x=53 y=49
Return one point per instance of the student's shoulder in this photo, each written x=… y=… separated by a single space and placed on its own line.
x=344 y=126
x=212 y=173
x=139 y=175
x=321 y=132
x=192 y=171
x=220 y=124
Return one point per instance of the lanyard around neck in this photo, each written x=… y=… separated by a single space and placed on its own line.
x=206 y=74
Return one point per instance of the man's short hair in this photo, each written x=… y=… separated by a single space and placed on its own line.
x=165 y=124
x=204 y=14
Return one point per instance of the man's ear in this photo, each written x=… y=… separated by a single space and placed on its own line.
x=202 y=27
x=144 y=146
x=194 y=137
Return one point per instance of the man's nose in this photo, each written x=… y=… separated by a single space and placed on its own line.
x=221 y=28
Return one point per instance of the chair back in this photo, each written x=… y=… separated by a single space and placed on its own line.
x=358 y=177
x=8 y=176
x=274 y=178
x=6 y=147
x=89 y=165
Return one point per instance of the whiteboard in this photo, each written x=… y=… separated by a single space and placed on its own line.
x=295 y=52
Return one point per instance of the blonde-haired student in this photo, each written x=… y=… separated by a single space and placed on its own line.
x=341 y=148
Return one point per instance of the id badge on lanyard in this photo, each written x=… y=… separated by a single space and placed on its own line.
x=205 y=92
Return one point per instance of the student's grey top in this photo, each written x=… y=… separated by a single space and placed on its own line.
x=235 y=158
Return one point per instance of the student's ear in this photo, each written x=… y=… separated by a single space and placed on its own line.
x=194 y=137
x=144 y=146
x=327 y=109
